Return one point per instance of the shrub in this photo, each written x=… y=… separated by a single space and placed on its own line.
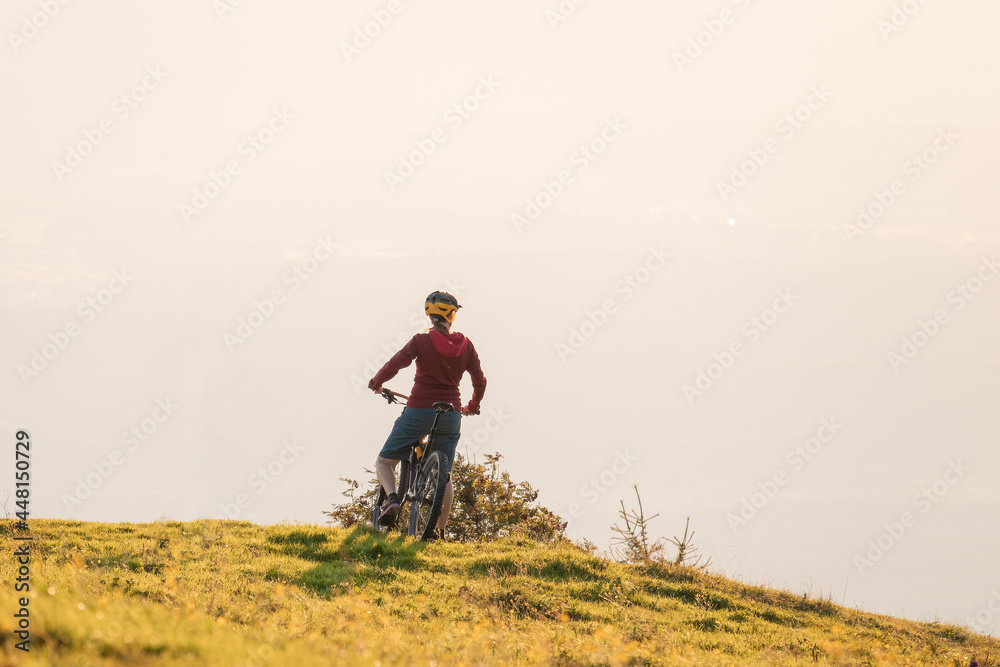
x=633 y=543
x=487 y=504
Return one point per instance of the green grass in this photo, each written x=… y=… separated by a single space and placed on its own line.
x=234 y=593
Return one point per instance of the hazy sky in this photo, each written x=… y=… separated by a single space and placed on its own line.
x=694 y=306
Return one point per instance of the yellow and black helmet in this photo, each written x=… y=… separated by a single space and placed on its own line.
x=443 y=304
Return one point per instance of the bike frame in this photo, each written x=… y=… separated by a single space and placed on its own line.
x=421 y=449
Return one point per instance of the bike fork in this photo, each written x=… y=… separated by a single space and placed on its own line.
x=411 y=491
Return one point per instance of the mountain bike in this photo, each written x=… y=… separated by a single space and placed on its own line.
x=421 y=479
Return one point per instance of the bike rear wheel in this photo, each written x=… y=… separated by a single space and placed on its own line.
x=428 y=496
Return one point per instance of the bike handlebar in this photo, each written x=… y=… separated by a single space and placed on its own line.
x=392 y=396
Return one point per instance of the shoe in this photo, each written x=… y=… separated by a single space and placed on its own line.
x=390 y=511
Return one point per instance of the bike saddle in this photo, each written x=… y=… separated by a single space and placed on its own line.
x=441 y=406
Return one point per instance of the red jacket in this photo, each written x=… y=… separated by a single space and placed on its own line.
x=441 y=361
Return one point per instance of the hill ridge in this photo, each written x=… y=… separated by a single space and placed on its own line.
x=219 y=592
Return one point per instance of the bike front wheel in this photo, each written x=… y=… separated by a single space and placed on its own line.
x=428 y=496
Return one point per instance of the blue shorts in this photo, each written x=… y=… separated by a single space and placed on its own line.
x=413 y=424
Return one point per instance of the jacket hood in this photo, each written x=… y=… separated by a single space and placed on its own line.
x=449 y=346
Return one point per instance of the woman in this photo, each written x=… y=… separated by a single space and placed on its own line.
x=442 y=358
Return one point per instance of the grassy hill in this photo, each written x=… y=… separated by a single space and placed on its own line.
x=234 y=593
